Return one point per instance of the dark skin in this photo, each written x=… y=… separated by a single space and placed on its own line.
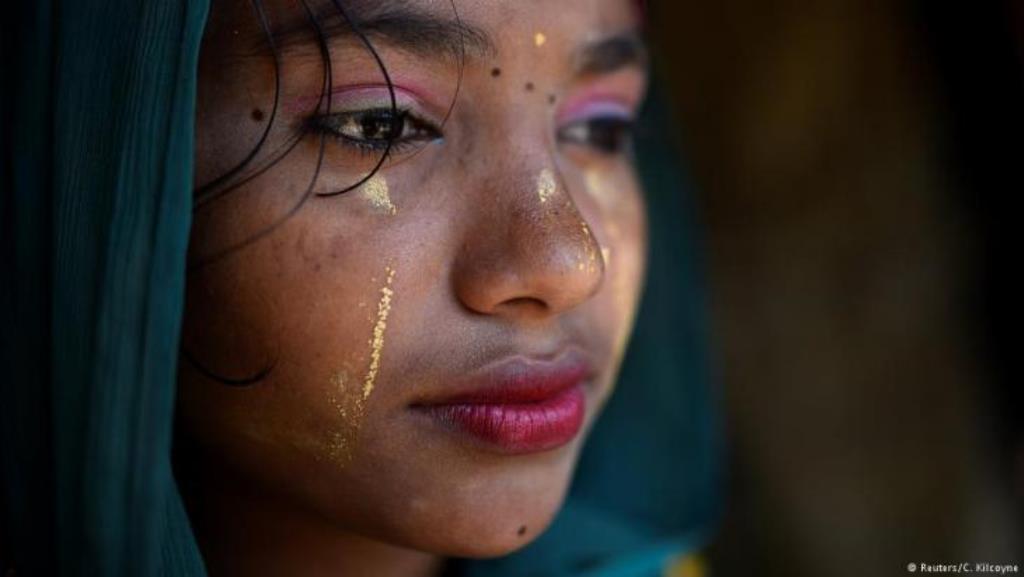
x=506 y=222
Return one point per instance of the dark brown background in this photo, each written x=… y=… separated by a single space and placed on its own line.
x=853 y=207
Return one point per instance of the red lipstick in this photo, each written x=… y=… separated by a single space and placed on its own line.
x=519 y=406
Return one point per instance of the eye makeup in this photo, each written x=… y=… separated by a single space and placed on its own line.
x=601 y=124
x=355 y=95
x=376 y=129
x=364 y=118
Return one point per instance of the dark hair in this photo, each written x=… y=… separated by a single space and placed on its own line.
x=246 y=170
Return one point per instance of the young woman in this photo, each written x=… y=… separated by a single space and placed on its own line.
x=416 y=252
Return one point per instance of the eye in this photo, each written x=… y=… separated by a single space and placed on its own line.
x=373 y=129
x=607 y=134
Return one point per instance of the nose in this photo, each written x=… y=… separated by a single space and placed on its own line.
x=528 y=253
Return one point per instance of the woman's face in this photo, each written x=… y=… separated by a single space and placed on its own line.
x=427 y=349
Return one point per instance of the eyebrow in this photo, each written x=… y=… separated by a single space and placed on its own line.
x=404 y=27
x=613 y=53
x=424 y=33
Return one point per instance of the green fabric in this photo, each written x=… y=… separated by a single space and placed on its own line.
x=96 y=212
x=95 y=215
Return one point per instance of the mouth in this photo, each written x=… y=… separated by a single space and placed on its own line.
x=518 y=406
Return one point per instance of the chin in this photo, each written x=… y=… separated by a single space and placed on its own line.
x=476 y=531
x=486 y=510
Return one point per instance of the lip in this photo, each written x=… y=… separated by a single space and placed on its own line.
x=517 y=406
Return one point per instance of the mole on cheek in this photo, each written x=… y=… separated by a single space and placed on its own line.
x=495 y=72
x=257 y=115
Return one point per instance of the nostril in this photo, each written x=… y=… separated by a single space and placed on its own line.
x=525 y=306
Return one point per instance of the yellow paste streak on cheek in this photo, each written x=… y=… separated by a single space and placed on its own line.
x=378 y=194
x=377 y=342
x=351 y=404
x=340 y=444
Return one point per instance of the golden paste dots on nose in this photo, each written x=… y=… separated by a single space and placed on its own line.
x=546 y=185
x=589 y=261
x=377 y=194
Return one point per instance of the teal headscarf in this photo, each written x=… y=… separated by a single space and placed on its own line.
x=97 y=125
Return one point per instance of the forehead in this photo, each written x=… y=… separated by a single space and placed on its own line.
x=486 y=25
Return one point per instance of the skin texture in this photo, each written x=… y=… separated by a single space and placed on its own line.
x=496 y=239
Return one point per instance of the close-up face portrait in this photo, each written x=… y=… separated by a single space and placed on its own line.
x=509 y=288
x=417 y=249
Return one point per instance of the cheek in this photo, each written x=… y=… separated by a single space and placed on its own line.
x=234 y=103
x=349 y=390
x=312 y=304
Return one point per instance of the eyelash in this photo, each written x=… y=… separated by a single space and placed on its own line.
x=411 y=130
x=608 y=135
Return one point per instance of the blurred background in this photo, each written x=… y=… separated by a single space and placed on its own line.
x=854 y=162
